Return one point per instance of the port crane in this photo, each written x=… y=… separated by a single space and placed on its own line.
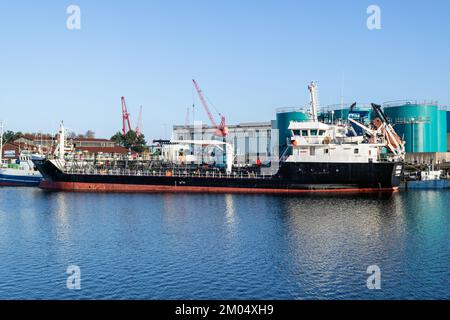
x=125 y=117
x=221 y=129
x=126 y=123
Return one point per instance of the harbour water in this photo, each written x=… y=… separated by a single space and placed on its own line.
x=191 y=246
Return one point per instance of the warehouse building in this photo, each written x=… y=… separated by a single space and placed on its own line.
x=252 y=142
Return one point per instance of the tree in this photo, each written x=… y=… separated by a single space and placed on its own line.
x=71 y=135
x=10 y=136
x=90 y=134
x=118 y=138
x=131 y=141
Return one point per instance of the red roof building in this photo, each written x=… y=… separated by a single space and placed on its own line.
x=33 y=142
x=10 y=151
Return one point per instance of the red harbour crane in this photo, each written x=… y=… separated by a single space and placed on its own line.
x=125 y=117
x=222 y=130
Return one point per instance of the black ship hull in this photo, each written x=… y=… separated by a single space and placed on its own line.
x=290 y=178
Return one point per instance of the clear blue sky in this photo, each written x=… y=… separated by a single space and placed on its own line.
x=249 y=57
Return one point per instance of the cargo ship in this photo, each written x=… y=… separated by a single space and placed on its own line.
x=322 y=157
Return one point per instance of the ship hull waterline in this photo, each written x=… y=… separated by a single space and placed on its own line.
x=292 y=178
x=130 y=188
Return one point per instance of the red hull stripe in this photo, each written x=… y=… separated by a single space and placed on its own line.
x=111 y=187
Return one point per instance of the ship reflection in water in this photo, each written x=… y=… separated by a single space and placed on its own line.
x=194 y=246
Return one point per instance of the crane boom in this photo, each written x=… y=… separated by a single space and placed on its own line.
x=222 y=130
x=205 y=105
x=125 y=117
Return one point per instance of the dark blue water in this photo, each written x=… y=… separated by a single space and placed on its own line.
x=170 y=246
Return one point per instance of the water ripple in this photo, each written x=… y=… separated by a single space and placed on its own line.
x=223 y=246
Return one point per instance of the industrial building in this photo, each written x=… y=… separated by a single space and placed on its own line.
x=251 y=141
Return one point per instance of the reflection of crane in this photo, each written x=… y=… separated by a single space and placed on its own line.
x=125 y=117
x=139 y=123
x=222 y=130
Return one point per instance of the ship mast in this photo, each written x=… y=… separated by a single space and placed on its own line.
x=313 y=100
x=61 y=142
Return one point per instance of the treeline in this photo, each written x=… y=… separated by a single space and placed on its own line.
x=9 y=136
x=88 y=135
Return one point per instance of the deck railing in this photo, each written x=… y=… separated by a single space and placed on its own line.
x=166 y=173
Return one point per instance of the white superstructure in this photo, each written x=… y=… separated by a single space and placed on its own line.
x=314 y=141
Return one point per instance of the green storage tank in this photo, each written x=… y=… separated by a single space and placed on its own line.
x=284 y=118
x=423 y=125
x=442 y=129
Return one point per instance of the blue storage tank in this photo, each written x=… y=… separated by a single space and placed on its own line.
x=423 y=125
x=341 y=113
x=284 y=118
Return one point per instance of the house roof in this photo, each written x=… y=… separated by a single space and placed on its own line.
x=36 y=137
x=10 y=146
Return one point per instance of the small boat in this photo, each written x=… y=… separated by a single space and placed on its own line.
x=429 y=179
x=20 y=171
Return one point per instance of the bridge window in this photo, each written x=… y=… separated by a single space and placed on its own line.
x=296 y=132
x=314 y=132
x=304 y=133
x=321 y=132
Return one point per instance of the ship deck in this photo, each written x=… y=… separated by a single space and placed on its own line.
x=202 y=173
